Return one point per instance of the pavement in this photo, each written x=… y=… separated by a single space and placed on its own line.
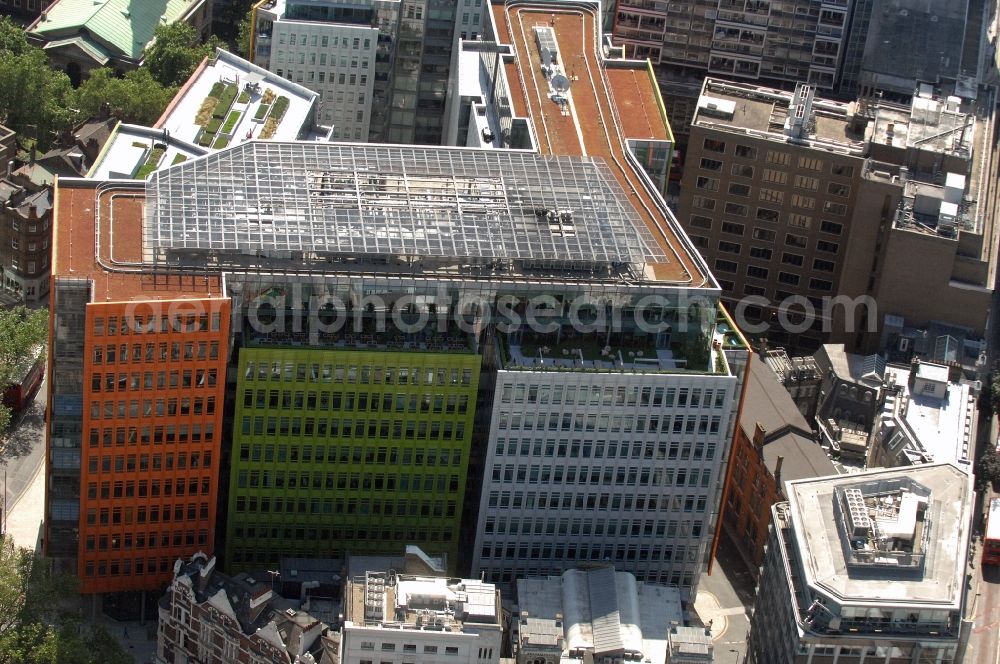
x=22 y=461
x=723 y=600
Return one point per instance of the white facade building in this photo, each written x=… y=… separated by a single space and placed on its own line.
x=617 y=467
x=420 y=620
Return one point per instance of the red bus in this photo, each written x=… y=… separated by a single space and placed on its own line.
x=27 y=379
x=991 y=542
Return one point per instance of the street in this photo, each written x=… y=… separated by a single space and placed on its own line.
x=22 y=457
x=984 y=643
x=724 y=598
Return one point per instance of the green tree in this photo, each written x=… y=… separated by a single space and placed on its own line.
x=33 y=96
x=12 y=37
x=988 y=470
x=176 y=52
x=137 y=97
x=22 y=333
x=243 y=37
x=40 y=616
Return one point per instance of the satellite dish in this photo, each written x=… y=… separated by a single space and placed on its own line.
x=560 y=83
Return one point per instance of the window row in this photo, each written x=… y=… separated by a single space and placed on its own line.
x=306 y=538
x=347 y=428
x=146 y=514
x=574 y=501
x=278 y=479
x=599 y=475
x=598 y=551
x=680 y=424
x=611 y=395
x=347 y=506
x=375 y=402
x=347 y=454
x=141 y=566
x=153 y=324
x=123 y=382
x=153 y=407
x=137 y=541
x=600 y=449
x=364 y=375
x=156 y=352
x=122 y=463
x=164 y=433
x=150 y=488
x=508 y=569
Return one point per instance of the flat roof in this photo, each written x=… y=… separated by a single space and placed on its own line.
x=821 y=548
x=181 y=117
x=132 y=147
x=761 y=112
x=993 y=520
x=593 y=124
x=88 y=214
x=944 y=427
x=268 y=197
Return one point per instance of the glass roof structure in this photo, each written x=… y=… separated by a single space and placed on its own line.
x=278 y=199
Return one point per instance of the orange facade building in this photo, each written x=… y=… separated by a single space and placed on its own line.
x=135 y=405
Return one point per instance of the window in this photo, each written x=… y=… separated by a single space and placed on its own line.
x=731 y=228
x=806 y=182
x=820 y=285
x=698 y=221
x=828 y=247
x=760 y=253
x=711 y=164
x=729 y=247
x=736 y=209
x=838 y=209
x=772 y=196
x=750 y=289
x=763 y=235
x=838 y=189
x=737 y=189
x=822 y=265
x=780 y=158
x=699 y=241
x=725 y=266
x=742 y=171
x=775 y=177
x=712 y=145
x=704 y=183
x=792 y=259
x=800 y=221
x=842 y=170
x=810 y=164
x=703 y=203
x=765 y=214
x=831 y=227
x=788 y=278
x=756 y=272
x=793 y=240
x=746 y=152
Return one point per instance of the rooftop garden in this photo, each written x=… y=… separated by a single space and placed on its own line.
x=215 y=109
x=278 y=110
x=150 y=164
x=208 y=105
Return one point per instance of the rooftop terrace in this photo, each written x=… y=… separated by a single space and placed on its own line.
x=229 y=100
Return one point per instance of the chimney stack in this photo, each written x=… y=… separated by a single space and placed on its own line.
x=777 y=470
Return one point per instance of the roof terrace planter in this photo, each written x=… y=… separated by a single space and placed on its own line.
x=231 y=122
x=261 y=112
x=226 y=100
x=208 y=106
x=150 y=164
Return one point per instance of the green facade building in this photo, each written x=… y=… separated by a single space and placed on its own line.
x=338 y=450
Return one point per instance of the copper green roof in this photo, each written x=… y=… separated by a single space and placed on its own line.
x=125 y=25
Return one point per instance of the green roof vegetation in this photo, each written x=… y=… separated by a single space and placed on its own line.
x=221 y=142
x=231 y=122
x=225 y=101
x=280 y=106
x=178 y=158
x=244 y=98
x=152 y=161
x=261 y=112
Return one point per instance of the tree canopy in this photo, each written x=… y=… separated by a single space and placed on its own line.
x=136 y=97
x=40 y=619
x=22 y=332
x=12 y=37
x=176 y=52
x=34 y=98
